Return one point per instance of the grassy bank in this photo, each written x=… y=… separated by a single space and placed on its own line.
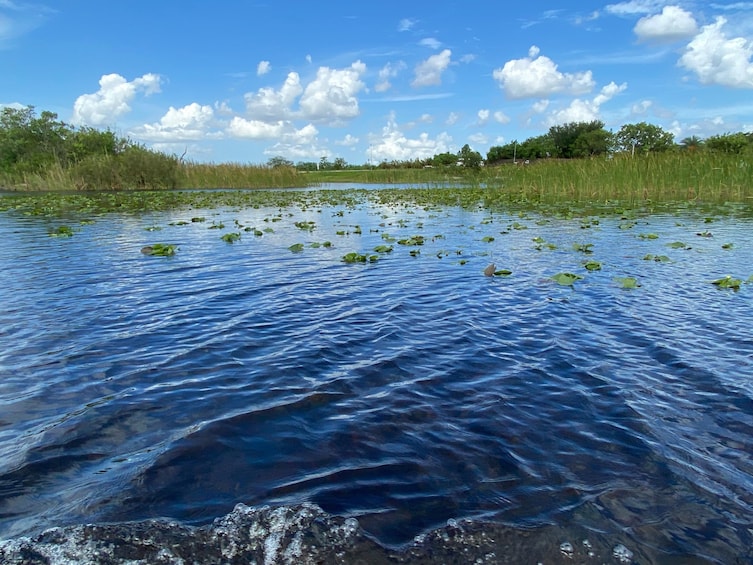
x=674 y=176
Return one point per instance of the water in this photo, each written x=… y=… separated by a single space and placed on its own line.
x=405 y=393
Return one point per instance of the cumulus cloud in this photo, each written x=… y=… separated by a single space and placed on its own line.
x=537 y=76
x=281 y=129
x=406 y=24
x=452 y=118
x=113 y=99
x=483 y=117
x=347 y=141
x=672 y=24
x=263 y=68
x=190 y=122
x=270 y=104
x=501 y=118
x=430 y=42
x=429 y=72
x=715 y=59
x=389 y=71
x=331 y=96
x=586 y=110
x=394 y=145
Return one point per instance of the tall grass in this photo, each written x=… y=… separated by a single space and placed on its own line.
x=234 y=175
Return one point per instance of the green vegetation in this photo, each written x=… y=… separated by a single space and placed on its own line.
x=576 y=162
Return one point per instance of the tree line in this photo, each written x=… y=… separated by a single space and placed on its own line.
x=575 y=140
x=32 y=144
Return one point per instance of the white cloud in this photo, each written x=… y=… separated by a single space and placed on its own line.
x=281 y=130
x=430 y=42
x=386 y=73
x=452 y=118
x=537 y=76
x=331 y=96
x=634 y=7
x=429 y=72
x=640 y=108
x=426 y=118
x=113 y=99
x=483 y=117
x=478 y=139
x=672 y=24
x=347 y=141
x=263 y=68
x=585 y=110
x=501 y=118
x=190 y=122
x=540 y=106
x=406 y=24
x=394 y=145
x=718 y=60
x=298 y=144
x=272 y=105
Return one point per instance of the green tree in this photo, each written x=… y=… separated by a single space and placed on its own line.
x=643 y=138
x=340 y=164
x=734 y=143
x=692 y=143
x=471 y=159
x=445 y=159
x=278 y=161
x=566 y=143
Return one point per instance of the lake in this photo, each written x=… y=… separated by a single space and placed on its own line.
x=404 y=389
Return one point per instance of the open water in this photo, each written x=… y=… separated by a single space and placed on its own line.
x=404 y=392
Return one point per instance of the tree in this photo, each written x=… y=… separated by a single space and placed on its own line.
x=692 y=143
x=445 y=159
x=340 y=164
x=471 y=159
x=278 y=161
x=566 y=142
x=734 y=143
x=643 y=138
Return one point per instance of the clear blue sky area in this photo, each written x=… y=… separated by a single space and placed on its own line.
x=242 y=81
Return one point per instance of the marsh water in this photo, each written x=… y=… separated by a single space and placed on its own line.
x=404 y=391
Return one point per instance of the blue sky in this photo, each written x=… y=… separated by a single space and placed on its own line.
x=241 y=81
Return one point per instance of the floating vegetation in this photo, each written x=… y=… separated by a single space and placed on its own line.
x=592 y=265
x=627 y=282
x=354 y=257
x=487 y=239
x=728 y=282
x=153 y=228
x=309 y=226
x=678 y=245
x=296 y=247
x=62 y=231
x=217 y=226
x=648 y=236
x=705 y=233
x=566 y=279
x=583 y=247
x=160 y=249
x=198 y=219
x=728 y=246
x=415 y=240
x=383 y=248
x=502 y=272
x=657 y=258
x=231 y=237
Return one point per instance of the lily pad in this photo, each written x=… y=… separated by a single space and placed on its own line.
x=159 y=249
x=487 y=239
x=231 y=237
x=502 y=273
x=566 y=279
x=296 y=247
x=678 y=245
x=627 y=282
x=593 y=265
x=383 y=248
x=583 y=247
x=728 y=282
x=62 y=231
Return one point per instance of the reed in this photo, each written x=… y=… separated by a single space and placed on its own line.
x=235 y=175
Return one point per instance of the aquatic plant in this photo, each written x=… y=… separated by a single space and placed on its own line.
x=592 y=265
x=566 y=279
x=627 y=282
x=728 y=282
x=62 y=231
x=354 y=257
x=231 y=237
x=383 y=248
x=296 y=247
x=160 y=249
x=657 y=258
x=583 y=247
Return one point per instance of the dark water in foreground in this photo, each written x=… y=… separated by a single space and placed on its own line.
x=404 y=393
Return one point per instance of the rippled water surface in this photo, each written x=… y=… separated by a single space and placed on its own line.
x=404 y=392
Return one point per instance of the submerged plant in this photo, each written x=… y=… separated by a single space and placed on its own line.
x=627 y=282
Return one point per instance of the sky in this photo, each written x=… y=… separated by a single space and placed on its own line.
x=246 y=81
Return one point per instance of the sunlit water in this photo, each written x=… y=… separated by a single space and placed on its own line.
x=404 y=392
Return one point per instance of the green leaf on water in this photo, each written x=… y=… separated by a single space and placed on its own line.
x=315 y=245
x=231 y=237
x=62 y=231
x=296 y=247
x=728 y=282
x=728 y=246
x=383 y=248
x=566 y=279
x=678 y=245
x=487 y=239
x=649 y=236
x=583 y=247
x=160 y=249
x=627 y=282
x=593 y=265
x=502 y=273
